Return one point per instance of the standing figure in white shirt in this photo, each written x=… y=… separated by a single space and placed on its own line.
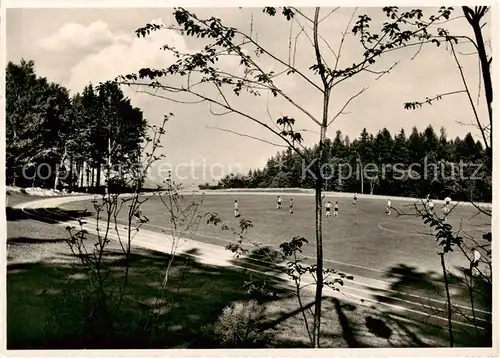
x=430 y=205
x=236 y=209
x=447 y=203
x=328 y=208
x=475 y=259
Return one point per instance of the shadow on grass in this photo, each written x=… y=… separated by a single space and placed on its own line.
x=424 y=295
x=379 y=327
x=262 y=259
x=49 y=215
x=347 y=331
x=50 y=306
x=30 y=240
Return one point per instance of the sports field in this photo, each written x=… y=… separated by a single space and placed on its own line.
x=399 y=251
x=363 y=239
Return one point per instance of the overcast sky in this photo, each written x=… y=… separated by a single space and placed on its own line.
x=74 y=47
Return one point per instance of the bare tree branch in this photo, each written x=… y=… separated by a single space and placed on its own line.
x=476 y=115
x=247 y=136
x=418 y=51
x=467 y=124
x=221 y=104
x=222 y=94
x=343 y=39
x=479 y=82
x=295 y=70
x=365 y=63
x=269 y=113
x=306 y=130
x=276 y=89
x=218 y=114
x=309 y=38
x=329 y=47
x=271 y=87
x=295 y=46
x=468 y=53
x=169 y=98
x=346 y=104
x=319 y=61
x=382 y=72
x=302 y=14
x=327 y=15
x=290 y=45
x=303 y=29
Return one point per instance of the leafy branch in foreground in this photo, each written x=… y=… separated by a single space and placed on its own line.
x=449 y=240
x=287 y=259
x=119 y=217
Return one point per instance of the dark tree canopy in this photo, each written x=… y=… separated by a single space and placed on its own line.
x=381 y=149
x=53 y=138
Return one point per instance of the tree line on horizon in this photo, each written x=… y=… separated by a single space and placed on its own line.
x=58 y=140
x=441 y=166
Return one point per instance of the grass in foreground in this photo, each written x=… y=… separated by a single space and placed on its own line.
x=49 y=306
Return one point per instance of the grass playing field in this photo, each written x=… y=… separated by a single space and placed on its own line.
x=362 y=240
x=393 y=258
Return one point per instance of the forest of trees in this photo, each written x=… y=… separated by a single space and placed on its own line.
x=57 y=140
x=54 y=140
x=437 y=170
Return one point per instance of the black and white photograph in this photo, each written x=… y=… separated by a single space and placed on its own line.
x=236 y=176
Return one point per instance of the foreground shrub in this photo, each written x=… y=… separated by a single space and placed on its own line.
x=238 y=325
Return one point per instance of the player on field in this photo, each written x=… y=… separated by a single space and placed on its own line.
x=291 y=206
x=278 y=202
x=236 y=209
x=477 y=256
x=389 y=206
x=354 y=199
x=475 y=259
x=430 y=205
x=447 y=203
x=328 y=209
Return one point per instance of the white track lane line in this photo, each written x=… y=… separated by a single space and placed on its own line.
x=422 y=234
x=204 y=234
